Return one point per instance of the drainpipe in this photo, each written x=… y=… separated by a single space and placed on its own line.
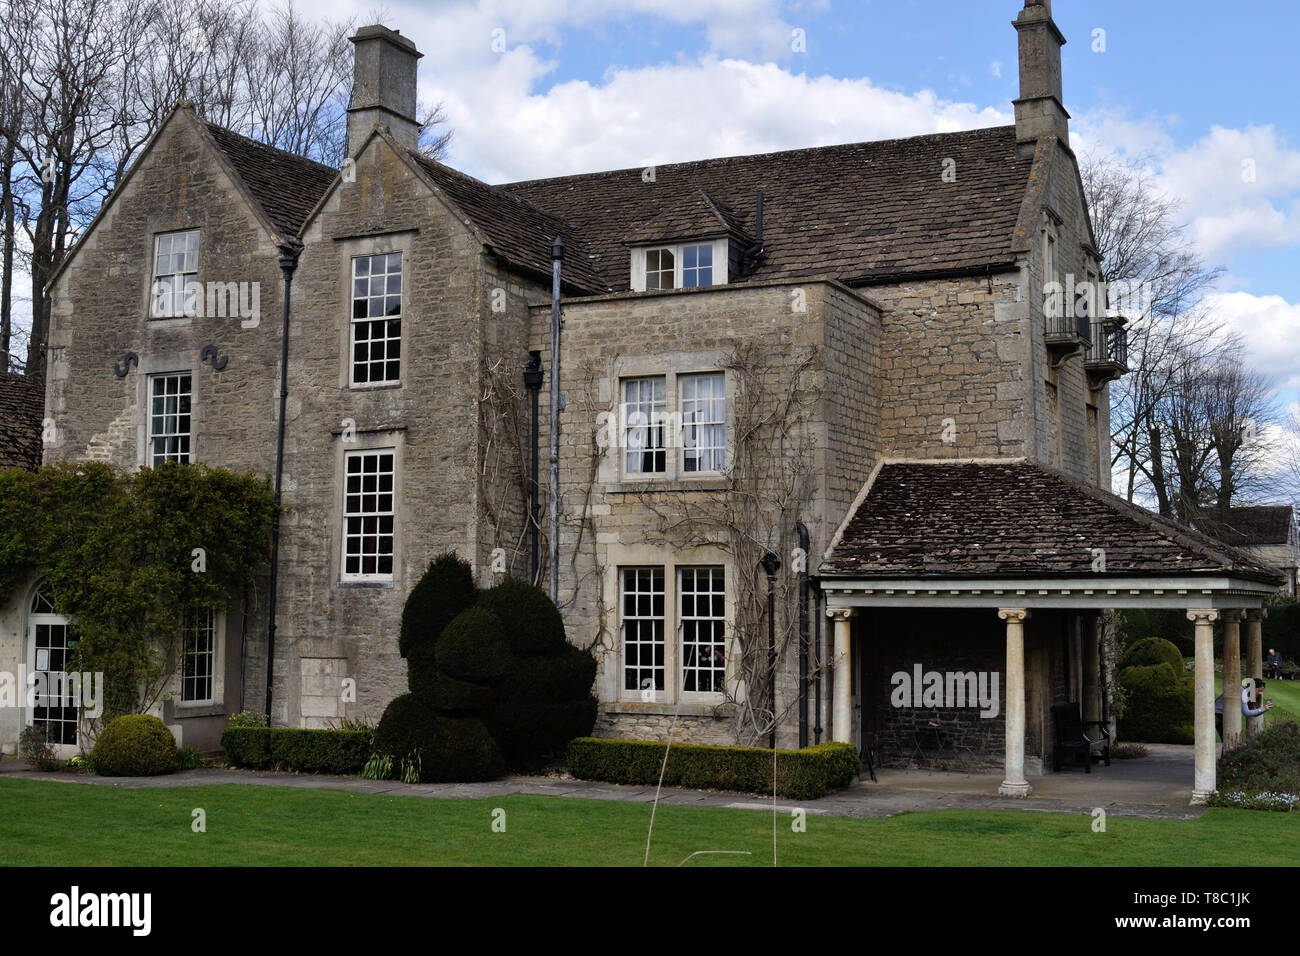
x=533 y=382
x=557 y=256
x=803 y=635
x=288 y=263
x=817 y=660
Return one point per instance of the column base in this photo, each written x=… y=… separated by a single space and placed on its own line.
x=1009 y=789
x=1201 y=797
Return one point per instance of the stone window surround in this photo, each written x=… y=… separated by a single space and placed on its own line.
x=166 y=363
x=151 y=277
x=720 y=253
x=218 y=673
x=613 y=696
x=671 y=365
x=391 y=438
x=371 y=245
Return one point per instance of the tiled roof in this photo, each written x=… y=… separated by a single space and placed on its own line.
x=285 y=185
x=861 y=211
x=22 y=402
x=1251 y=525
x=1015 y=519
x=517 y=231
x=696 y=216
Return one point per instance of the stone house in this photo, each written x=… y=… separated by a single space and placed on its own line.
x=868 y=383
x=1268 y=532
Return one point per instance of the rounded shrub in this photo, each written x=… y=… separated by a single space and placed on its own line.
x=533 y=625
x=447 y=748
x=473 y=647
x=531 y=728
x=1152 y=650
x=135 y=745
x=446 y=589
x=447 y=695
x=1269 y=761
x=1159 y=708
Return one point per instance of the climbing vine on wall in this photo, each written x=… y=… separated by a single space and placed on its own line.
x=128 y=554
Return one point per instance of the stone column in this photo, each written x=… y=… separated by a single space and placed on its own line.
x=1203 y=778
x=1014 y=783
x=1231 y=678
x=1255 y=658
x=842 y=703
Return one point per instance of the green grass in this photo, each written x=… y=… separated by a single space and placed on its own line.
x=1285 y=694
x=58 y=824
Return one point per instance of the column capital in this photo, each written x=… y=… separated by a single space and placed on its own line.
x=1232 y=615
x=1016 y=614
x=1203 y=615
x=1256 y=613
x=839 y=613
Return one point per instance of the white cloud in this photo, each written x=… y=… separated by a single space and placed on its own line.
x=995 y=69
x=1239 y=188
x=1270 y=327
x=682 y=112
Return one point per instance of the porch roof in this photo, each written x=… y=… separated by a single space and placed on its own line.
x=1011 y=532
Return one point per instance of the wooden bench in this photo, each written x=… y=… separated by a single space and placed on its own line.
x=1072 y=736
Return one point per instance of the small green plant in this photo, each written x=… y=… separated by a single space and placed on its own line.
x=34 y=746
x=378 y=767
x=191 y=759
x=81 y=763
x=248 y=718
x=135 y=745
x=411 y=767
x=353 y=724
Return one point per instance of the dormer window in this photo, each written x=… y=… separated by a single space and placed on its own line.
x=687 y=265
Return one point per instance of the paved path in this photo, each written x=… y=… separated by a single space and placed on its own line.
x=1155 y=787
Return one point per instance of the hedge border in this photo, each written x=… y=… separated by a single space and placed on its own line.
x=801 y=774
x=293 y=748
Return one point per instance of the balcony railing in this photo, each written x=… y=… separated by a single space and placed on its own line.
x=1069 y=329
x=1106 y=356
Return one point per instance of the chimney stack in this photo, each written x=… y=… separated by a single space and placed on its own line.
x=1039 y=111
x=383 y=86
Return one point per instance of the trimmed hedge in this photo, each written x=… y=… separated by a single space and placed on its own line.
x=135 y=745
x=292 y=748
x=533 y=624
x=472 y=647
x=1160 y=705
x=800 y=774
x=1152 y=650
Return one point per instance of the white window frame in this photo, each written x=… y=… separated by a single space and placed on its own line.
x=720 y=253
x=695 y=419
x=48 y=616
x=354 y=321
x=189 y=627
x=644 y=432
x=152 y=459
x=673 y=625
x=378 y=513
x=188 y=273
x=674 y=429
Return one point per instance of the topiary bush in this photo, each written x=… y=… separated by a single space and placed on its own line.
x=448 y=748
x=445 y=589
x=1160 y=705
x=1152 y=650
x=472 y=647
x=496 y=683
x=135 y=745
x=532 y=621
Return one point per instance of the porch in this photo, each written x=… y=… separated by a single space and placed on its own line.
x=1024 y=561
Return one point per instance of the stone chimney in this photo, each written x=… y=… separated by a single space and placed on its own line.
x=1040 y=111
x=383 y=86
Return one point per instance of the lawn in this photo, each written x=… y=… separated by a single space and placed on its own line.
x=268 y=826
x=1285 y=694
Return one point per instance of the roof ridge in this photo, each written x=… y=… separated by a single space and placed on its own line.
x=979 y=130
